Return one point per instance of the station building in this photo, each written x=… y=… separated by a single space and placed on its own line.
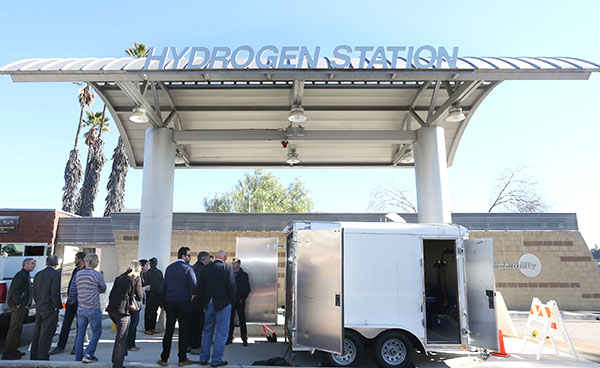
x=536 y=254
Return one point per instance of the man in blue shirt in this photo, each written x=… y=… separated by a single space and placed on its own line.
x=179 y=290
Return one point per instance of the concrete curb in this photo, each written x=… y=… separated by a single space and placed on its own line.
x=73 y=364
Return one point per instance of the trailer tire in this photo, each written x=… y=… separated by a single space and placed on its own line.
x=393 y=349
x=354 y=351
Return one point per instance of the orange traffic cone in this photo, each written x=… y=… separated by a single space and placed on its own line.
x=502 y=353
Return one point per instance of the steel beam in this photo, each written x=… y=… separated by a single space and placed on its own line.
x=330 y=136
x=132 y=91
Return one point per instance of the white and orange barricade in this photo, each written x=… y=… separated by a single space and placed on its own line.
x=545 y=321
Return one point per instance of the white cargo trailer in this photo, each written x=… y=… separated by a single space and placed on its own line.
x=393 y=286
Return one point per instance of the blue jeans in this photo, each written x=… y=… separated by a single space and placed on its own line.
x=133 y=323
x=220 y=320
x=94 y=318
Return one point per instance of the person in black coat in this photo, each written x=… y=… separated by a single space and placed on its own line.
x=46 y=293
x=195 y=338
x=19 y=298
x=127 y=286
x=242 y=284
x=154 y=278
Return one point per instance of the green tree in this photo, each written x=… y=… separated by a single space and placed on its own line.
x=96 y=121
x=139 y=50
x=73 y=167
x=261 y=191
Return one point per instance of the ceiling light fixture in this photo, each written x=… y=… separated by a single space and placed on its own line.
x=408 y=158
x=139 y=115
x=455 y=114
x=297 y=115
x=292 y=157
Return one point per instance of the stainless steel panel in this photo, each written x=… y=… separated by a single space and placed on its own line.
x=319 y=314
x=259 y=260
x=481 y=293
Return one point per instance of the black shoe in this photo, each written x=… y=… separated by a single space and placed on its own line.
x=245 y=343
x=221 y=364
x=12 y=356
x=228 y=342
x=56 y=350
x=73 y=351
x=203 y=363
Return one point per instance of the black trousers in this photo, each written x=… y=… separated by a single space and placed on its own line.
x=150 y=315
x=197 y=327
x=17 y=316
x=240 y=308
x=182 y=313
x=70 y=313
x=120 y=346
x=45 y=326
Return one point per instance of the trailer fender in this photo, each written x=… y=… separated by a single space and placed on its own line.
x=371 y=333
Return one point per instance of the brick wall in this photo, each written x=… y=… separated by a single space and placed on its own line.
x=569 y=274
x=34 y=226
x=197 y=241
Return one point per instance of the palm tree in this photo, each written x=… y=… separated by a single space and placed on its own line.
x=73 y=166
x=115 y=197
x=95 y=162
x=138 y=50
x=116 y=182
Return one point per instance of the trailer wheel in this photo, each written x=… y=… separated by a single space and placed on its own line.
x=353 y=352
x=393 y=349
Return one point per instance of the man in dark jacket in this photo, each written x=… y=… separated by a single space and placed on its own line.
x=46 y=293
x=217 y=286
x=154 y=278
x=180 y=289
x=70 y=307
x=195 y=339
x=242 y=284
x=19 y=298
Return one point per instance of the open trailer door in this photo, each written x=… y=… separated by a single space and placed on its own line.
x=481 y=294
x=320 y=313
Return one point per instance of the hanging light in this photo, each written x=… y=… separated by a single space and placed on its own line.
x=297 y=115
x=408 y=158
x=139 y=115
x=455 y=114
x=292 y=157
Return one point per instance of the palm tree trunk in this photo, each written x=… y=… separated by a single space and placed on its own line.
x=79 y=126
x=93 y=169
x=116 y=183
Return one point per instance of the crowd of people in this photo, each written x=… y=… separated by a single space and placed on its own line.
x=203 y=299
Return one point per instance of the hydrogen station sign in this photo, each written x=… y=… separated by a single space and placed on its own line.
x=301 y=57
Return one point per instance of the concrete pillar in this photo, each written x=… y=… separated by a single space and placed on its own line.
x=156 y=216
x=431 y=173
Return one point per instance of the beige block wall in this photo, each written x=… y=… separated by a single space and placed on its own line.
x=569 y=275
x=197 y=241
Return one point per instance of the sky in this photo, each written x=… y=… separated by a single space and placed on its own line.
x=549 y=127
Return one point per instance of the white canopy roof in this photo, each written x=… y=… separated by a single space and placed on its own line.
x=238 y=117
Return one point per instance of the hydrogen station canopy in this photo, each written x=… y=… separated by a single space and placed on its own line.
x=292 y=106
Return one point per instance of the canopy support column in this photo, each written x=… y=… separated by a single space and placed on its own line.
x=431 y=173
x=156 y=215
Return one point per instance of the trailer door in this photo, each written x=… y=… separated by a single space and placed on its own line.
x=481 y=293
x=319 y=313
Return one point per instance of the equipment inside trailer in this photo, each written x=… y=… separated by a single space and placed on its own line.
x=441 y=291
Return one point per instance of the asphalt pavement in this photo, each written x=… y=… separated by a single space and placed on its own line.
x=583 y=332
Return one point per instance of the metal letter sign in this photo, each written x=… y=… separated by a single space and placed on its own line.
x=301 y=57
